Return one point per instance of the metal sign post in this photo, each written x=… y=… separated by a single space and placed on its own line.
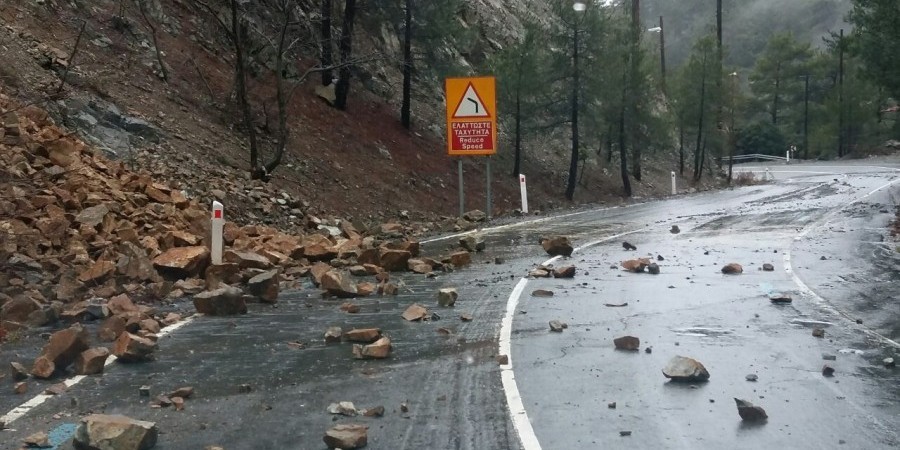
x=489 y=203
x=462 y=192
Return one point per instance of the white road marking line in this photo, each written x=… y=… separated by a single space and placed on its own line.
x=19 y=411
x=788 y=267
x=519 y=224
x=517 y=411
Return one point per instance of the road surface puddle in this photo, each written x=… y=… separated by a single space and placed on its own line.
x=702 y=331
x=811 y=323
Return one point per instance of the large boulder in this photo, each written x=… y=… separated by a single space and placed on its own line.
x=472 y=242
x=182 y=262
x=224 y=301
x=18 y=309
x=97 y=272
x=134 y=263
x=475 y=216
x=339 y=284
x=379 y=349
x=420 y=266
x=218 y=274
x=750 y=412
x=681 y=368
x=347 y=436
x=459 y=259
x=92 y=216
x=247 y=260
x=447 y=297
x=415 y=312
x=564 y=272
x=265 y=286
x=132 y=348
x=636 y=265
x=557 y=246
x=103 y=432
x=394 y=260
x=91 y=361
x=61 y=351
x=365 y=335
x=629 y=343
x=319 y=248
x=732 y=269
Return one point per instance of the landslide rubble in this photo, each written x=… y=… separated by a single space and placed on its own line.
x=85 y=238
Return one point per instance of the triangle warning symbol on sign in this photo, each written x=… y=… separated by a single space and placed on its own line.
x=470 y=105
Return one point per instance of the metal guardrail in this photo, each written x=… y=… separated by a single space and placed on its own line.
x=753 y=157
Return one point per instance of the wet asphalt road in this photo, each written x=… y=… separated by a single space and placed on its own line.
x=453 y=385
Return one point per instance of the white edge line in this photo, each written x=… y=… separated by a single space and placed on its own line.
x=517 y=411
x=19 y=411
x=523 y=223
x=788 y=267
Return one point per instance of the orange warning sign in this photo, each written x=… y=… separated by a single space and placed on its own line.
x=471 y=116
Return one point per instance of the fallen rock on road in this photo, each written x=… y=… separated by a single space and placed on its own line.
x=224 y=301
x=681 y=368
x=61 y=351
x=379 y=349
x=750 y=412
x=557 y=246
x=629 y=343
x=103 y=432
x=447 y=297
x=347 y=436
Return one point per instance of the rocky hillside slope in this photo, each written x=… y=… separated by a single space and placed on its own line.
x=106 y=167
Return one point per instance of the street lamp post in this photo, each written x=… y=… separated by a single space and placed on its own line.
x=661 y=29
x=573 y=164
x=732 y=134
x=806 y=117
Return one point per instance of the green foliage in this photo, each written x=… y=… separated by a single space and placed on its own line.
x=776 y=77
x=761 y=137
x=876 y=39
x=519 y=78
x=437 y=33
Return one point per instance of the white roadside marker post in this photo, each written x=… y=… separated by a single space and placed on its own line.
x=674 y=187
x=218 y=224
x=524 y=194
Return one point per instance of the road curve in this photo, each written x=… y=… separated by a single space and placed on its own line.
x=457 y=394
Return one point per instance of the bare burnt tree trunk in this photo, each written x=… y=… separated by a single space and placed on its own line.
x=633 y=125
x=407 y=67
x=623 y=152
x=142 y=5
x=517 y=166
x=240 y=79
x=609 y=143
x=62 y=81
x=681 y=144
x=346 y=50
x=327 y=59
x=697 y=156
x=281 y=97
